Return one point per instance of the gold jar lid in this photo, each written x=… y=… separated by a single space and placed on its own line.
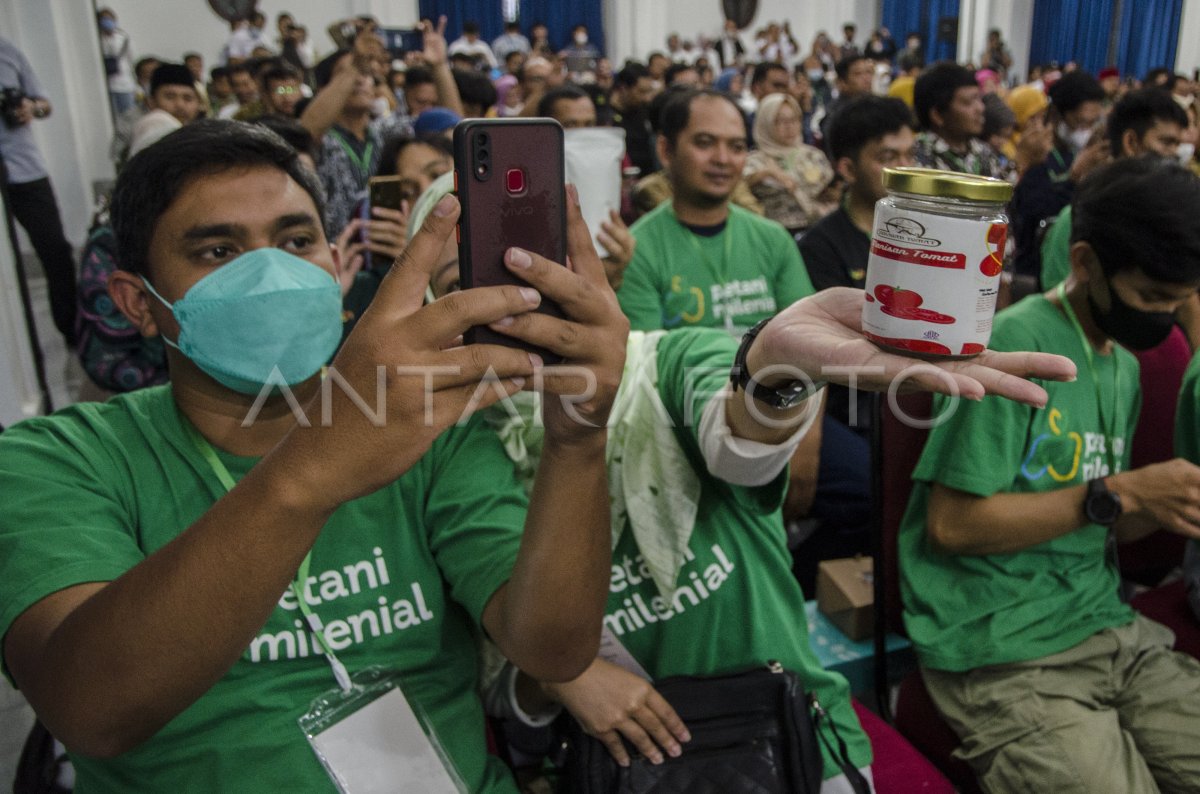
x=947 y=184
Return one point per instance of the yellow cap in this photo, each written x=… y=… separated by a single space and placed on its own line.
x=1026 y=101
x=947 y=184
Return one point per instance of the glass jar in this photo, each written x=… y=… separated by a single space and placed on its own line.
x=937 y=251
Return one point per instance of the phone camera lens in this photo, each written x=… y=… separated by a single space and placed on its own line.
x=481 y=139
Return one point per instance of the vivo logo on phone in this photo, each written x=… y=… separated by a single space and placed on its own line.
x=510 y=212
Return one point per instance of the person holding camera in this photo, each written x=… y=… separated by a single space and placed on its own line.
x=26 y=182
x=118 y=62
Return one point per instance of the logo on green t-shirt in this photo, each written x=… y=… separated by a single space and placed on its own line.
x=1062 y=454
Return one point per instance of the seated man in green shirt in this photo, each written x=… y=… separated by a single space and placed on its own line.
x=701 y=260
x=1010 y=589
x=151 y=607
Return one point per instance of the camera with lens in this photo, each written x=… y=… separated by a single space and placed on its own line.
x=11 y=100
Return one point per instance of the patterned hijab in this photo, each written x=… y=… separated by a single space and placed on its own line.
x=764 y=128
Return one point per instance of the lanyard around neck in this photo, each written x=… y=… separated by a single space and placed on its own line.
x=340 y=674
x=959 y=161
x=1089 y=355
x=363 y=163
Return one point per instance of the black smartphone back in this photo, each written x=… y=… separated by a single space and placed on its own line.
x=386 y=191
x=509 y=176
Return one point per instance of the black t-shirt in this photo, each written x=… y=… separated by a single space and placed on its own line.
x=1040 y=195
x=835 y=252
x=639 y=144
x=604 y=110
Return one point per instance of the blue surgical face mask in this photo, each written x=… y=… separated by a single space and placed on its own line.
x=264 y=311
x=107 y=24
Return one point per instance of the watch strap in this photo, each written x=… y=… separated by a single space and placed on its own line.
x=781 y=397
x=1101 y=505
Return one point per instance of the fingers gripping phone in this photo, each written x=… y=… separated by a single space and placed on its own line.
x=509 y=176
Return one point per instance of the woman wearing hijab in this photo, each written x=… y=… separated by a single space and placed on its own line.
x=793 y=181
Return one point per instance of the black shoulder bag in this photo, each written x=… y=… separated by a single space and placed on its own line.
x=752 y=733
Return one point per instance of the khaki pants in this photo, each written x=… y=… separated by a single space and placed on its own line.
x=1120 y=713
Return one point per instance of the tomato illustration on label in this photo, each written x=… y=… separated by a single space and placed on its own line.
x=972 y=349
x=997 y=234
x=993 y=263
x=905 y=305
x=912 y=345
x=897 y=297
x=922 y=315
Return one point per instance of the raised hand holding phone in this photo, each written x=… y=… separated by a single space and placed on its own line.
x=509 y=176
x=587 y=334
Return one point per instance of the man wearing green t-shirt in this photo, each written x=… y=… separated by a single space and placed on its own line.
x=187 y=568
x=700 y=260
x=1011 y=594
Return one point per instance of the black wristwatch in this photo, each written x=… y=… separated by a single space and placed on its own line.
x=789 y=395
x=1101 y=506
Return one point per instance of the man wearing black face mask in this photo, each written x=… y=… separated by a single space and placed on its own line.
x=1009 y=579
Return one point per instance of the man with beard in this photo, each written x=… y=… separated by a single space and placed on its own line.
x=699 y=259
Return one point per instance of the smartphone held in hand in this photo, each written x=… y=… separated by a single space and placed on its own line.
x=385 y=191
x=510 y=180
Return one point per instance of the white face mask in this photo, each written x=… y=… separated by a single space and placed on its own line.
x=581 y=39
x=1077 y=139
x=380 y=107
x=815 y=74
x=1186 y=152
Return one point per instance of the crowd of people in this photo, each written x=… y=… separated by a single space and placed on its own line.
x=240 y=295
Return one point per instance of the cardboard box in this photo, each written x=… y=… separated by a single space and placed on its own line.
x=846 y=595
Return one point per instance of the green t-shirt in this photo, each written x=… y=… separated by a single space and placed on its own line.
x=1187 y=414
x=964 y=611
x=747 y=272
x=1187 y=434
x=1056 y=251
x=399 y=578
x=736 y=603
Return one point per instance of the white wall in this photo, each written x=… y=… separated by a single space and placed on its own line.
x=169 y=28
x=1187 y=57
x=18 y=383
x=634 y=28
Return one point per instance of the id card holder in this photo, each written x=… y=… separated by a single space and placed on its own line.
x=370 y=741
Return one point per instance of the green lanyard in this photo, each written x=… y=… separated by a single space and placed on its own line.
x=960 y=161
x=1110 y=428
x=364 y=162
x=317 y=628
